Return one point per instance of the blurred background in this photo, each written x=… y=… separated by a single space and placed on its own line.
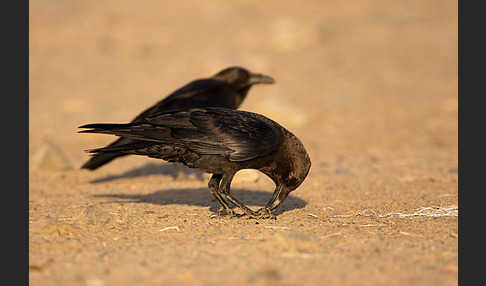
x=370 y=88
x=354 y=76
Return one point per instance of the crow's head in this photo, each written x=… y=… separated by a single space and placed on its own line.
x=241 y=78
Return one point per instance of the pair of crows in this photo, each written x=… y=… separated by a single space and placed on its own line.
x=198 y=125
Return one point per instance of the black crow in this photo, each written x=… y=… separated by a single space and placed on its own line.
x=219 y=141
x=227 y=88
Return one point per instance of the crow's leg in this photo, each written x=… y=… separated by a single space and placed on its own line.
x=279 y=195
x=224 y=190
x=213 y=188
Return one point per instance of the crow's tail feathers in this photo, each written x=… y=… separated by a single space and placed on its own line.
x=133 y=136
x=108 y=128
x=100 y=159
x=135 y=131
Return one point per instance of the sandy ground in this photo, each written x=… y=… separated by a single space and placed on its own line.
x=370 y=87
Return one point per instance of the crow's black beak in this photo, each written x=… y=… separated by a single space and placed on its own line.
x=256 y=78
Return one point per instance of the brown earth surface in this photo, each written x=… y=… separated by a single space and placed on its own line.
x=370 y=87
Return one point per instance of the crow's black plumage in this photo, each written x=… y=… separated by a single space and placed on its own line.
x=228 y=88
x=219 y=141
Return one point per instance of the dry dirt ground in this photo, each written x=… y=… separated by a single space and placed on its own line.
x=370 y=87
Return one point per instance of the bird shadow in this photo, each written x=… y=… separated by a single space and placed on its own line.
x=152 y=169
x=202 y=197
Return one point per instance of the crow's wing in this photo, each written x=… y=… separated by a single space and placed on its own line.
x=237 y=135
